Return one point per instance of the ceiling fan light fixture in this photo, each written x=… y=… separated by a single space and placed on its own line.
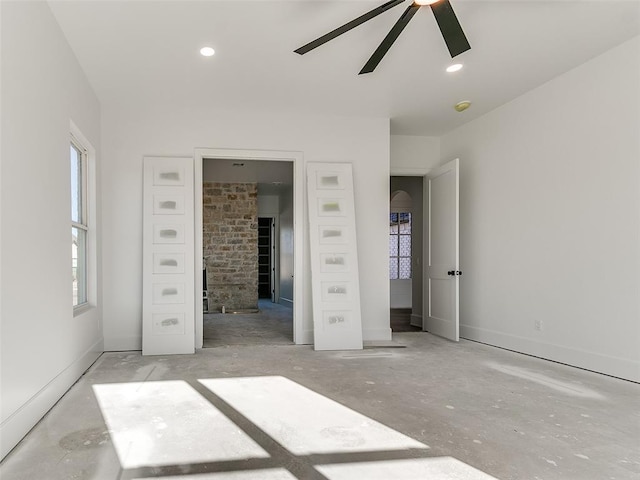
x=454 y=68
x=207 y=51
x=450 y=28
x=462 y=106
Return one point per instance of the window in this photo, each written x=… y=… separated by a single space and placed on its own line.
x=79 y=223
x=399 y=245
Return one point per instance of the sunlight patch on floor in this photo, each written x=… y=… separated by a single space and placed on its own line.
x=303 y=421
x=169 y=423
x=264 y=474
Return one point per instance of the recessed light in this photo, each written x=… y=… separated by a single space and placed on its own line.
x=207 y=51
x=454 y=68
x=462 y=106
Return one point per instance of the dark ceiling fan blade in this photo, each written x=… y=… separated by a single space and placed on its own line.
x=450 y=27
x=347 y=26
x=391 y=37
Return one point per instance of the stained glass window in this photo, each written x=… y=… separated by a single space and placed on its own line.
x=399 y=245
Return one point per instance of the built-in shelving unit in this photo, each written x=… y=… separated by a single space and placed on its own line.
x=265 y=247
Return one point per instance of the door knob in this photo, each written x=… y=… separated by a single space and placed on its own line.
x=454 y=272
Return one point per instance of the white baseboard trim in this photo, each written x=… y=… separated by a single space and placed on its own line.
x=20 y=422
x=614 y=366
x=286 y=302
x=376 y=334
x=416 y=320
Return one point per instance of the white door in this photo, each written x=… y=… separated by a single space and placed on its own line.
x=442 y=265
x=168 y=295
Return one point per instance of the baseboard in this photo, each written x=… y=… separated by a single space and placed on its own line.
x=286 y=302
x=19 y=423
x=416 y=320
x=614 y=366
x=375 y=334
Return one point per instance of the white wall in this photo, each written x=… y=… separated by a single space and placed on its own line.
x=550 y=218
x=44 y=347
x=413 y=154
x=129 y=135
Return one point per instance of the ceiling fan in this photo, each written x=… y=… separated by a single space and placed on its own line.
x=447 y=21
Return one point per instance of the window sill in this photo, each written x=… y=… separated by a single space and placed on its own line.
x=82 y=308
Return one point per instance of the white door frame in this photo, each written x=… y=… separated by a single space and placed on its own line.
x=420 y=172
x=298 y=225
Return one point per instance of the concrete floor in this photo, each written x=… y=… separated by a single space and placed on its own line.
x=435 y=409
x=272 y=325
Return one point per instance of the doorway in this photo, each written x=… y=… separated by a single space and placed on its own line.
x=439 y=259
x=246 y=207
x=406 y=222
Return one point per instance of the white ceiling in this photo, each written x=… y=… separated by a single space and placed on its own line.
x=146 y=52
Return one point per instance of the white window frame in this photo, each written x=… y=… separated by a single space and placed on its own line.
x=83 y=225
x=88 y=215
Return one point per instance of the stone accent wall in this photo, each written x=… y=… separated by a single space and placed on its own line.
x=230 y=244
